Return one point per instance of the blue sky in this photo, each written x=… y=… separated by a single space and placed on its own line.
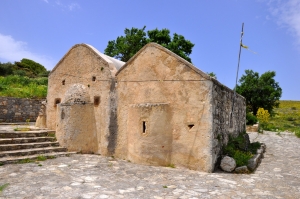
x=44 y=30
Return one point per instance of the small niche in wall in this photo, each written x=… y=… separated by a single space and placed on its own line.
x=144 y=126
x=190 y=126
x=56 y=101
x=96 y=100
x=94 y=78
x=63 y=82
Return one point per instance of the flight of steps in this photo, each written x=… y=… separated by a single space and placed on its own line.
x=16 y=146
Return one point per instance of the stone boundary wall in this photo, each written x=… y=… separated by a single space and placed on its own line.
x=223 y=124
x=19 y=109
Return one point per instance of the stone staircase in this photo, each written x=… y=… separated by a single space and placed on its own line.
x=16 y=146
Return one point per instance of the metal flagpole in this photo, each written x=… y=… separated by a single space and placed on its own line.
x=237 y=74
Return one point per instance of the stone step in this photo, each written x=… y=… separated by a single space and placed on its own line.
x=27 y=152
x=26 y=140
x=19 y=134
x=11 y=147
x=18 y=159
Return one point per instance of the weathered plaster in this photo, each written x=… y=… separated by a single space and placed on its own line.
x=156 y=76
x=87 y=66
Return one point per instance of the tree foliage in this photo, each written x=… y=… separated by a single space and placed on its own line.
x=212 y=74
x=25 y=67
x=124 y=47
x=260 y=91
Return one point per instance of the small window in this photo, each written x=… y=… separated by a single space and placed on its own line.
x=96 y=100
x=144 y=126
x=94 y=78
x=63 y=82
x=56 y=101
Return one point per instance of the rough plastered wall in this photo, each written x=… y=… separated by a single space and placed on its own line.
x=76 y=125
x=82 y=65
x=223 y=125
x=164 y=111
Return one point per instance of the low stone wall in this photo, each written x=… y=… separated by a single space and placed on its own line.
x=19 y=109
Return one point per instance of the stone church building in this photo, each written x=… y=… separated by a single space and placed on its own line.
x=156 y=109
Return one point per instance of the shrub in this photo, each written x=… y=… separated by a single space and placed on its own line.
x=262 y=115
x=253 y=147
x=241 y=157
x=251 y=119
x=290 y=119
x=23 y=87
x=236 y=149
x=297 y=133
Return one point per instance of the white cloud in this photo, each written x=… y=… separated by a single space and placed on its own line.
x=287 y=14
x=63 y=5
x=12 y=50
x=74 y=6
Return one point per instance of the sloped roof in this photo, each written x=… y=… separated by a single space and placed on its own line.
x=117 y=64
x=152 y=44
x=190 y=65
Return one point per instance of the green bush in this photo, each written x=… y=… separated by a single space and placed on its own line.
x=268 y=126
x=251 y=119
x=23 y=87
x=19 y=72
x=253 y=147
x=236 y=149
x=297 y=133
x=241 y=157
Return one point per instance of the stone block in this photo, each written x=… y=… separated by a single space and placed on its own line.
x=253 y=162
x=228 y=164
x=242 y=169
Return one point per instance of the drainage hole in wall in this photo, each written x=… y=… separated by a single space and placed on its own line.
x=191 y=126
x=96 y=100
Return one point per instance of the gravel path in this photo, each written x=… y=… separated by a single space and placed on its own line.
x=93 y=176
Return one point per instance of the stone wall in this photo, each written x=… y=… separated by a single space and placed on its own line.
x=226 y=124
x=19 y=109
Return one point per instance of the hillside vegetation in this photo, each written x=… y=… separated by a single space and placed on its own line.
x=23 y=79
x=286 y=118
x=23 y=87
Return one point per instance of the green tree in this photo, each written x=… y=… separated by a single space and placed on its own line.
x=31 y=66
x=124 y=47
x=6 y=69
x=260 y=91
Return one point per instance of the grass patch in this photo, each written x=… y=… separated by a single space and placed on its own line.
x=41 y=158
x=2 y=187
x=38 y=158
x=51 y=135
x=22 y=129
x=24 y=161
x=171 y=165
x=51 y=157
